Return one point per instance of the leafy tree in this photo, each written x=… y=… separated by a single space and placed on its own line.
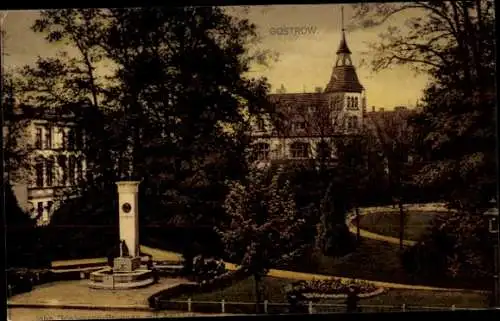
x=169 y=109
x=22 y=235
x=454 y=43
x=263 y=225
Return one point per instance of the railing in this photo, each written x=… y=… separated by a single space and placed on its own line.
x=267 y=307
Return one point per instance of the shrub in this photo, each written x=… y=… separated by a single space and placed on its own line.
x=23 y=280
x=207 y=269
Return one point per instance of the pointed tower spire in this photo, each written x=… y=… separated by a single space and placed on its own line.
x=344 y=77
x=343 y=48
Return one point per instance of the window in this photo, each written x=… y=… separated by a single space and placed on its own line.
x=352 y=122
x=64 y=139
x=71 y=139
x=352 y=103
x=79 y=170
x=64 y=171
x=323 y=150
x=50 y=172
x=39 y=209
x=48 y=137
x=262 y=151
x=299 y=150
x=298 y=125
x=261 y=126
x=78 y=139
x=38 y=138
x=49 y=206
x=39 y=174
x=71 y=170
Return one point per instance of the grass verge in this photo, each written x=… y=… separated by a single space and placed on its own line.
x=274 y=292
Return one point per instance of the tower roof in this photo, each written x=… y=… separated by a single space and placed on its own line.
x=344 y=79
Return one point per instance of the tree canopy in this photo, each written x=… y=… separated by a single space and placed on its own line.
x=167 y=86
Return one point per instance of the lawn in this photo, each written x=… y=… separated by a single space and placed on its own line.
x=387 y=223
x=372 y=260
x=244 y=291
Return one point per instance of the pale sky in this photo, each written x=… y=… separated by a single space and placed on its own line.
x=305 y=61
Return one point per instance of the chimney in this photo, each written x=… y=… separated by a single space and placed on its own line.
x=381 y=109
x=373 y=109
x=318 y=90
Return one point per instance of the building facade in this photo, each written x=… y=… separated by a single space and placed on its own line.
x=53 y=166
x=308 y=124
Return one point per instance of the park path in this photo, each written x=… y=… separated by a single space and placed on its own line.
x=161 y=255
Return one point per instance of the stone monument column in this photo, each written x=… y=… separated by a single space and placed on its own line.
x=128 y=202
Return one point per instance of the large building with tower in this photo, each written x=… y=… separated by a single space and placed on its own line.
x=309 y=123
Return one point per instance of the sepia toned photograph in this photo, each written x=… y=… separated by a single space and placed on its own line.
x=231 y=160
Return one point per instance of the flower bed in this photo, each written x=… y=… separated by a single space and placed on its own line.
x=333 y=289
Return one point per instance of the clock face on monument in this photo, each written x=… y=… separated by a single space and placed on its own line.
x=126 y=208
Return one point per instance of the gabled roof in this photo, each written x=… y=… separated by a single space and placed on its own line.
x=310 y=108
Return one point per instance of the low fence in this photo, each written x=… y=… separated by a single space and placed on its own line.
x=278 y=308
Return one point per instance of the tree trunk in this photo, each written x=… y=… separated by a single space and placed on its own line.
x=258 y=294
x=358 y=229
x=401 y=224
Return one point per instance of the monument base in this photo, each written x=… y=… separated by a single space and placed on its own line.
x=107 y=278
x=126 y=264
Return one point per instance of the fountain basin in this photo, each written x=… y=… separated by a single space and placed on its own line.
x=106 y=278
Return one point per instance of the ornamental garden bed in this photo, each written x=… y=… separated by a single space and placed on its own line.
x=333 y=289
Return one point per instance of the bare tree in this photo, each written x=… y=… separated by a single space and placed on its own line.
x=395 y=141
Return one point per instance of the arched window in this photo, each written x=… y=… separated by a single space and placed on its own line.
x=356 y=103
x=299 y=150
x=349 y=102
x=262 y=151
